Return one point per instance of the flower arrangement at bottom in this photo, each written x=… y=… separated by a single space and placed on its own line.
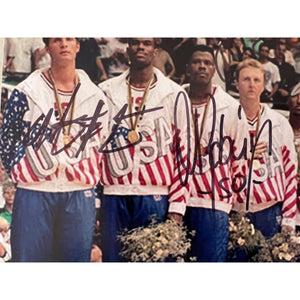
x=282 y=247
x=243 y=238
x=157 y=242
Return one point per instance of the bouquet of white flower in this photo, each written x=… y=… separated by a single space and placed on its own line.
x=282 y=247
x=157 y=242
x=243 y=237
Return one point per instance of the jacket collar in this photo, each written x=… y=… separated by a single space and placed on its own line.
x=116 y=88
x=34 y=88
x=222 y=99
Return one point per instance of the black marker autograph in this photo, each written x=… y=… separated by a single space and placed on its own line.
x=189 y=168
x=90 y=126
x=219 y=52
x=119 y=117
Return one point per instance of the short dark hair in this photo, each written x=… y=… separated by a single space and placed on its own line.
x=46 y=41
x=263 y=45
x=201 y=48
x=250 y=50
x=129 y=41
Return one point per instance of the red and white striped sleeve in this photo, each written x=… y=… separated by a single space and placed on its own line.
x=290 y=170
x=183 y=151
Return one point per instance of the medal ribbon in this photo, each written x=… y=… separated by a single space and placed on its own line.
x=198 y=150
x=58 y=102
x=257 y=127
x=141 y=107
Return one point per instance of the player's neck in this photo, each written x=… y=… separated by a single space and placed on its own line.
x=251 y=109
x=64 y=76
x=295 y=123
x=141 y=77
x=200 y=94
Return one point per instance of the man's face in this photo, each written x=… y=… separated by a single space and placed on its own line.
x=264 y=52
x=294 y=105
x=141 y=52
x=63 y=49
x=4 y=231
x=247 y=54
x=9 y=195
x=250 y=83
x=214 y=42
x=280 y=51
x=237 y=42
x=201 y=68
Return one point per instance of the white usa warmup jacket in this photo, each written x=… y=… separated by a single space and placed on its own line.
x=32 y=140
x=275 y=179
x=211 y=186
x=158 y=164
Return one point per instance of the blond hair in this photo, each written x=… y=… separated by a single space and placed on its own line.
x=6 y=185
x=249 y=62
x=4 y=225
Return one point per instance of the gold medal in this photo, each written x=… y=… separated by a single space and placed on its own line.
x=67 y=139
x=133 y=136
x=256 y=164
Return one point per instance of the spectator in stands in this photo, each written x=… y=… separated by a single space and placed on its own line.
x=26 y=51
x=254 y=44
x=287 y=76
x=293 y=44
x=118 y=59
x=8 y=190
x=222 y=59
x=179 y=54
x=163 y=61
x=9 y=53
x=5 y=249
x=272 y=76
x=88 y=59
x=200 y=41
x=288 y=55
x=236 y=50
x=231 y=78
x=3 y=178
x=42 y=58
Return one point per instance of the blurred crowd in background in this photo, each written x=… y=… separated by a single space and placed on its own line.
x=103 y=58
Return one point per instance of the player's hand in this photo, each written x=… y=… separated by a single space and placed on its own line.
x=175 y=217
x=103 y=77
x=259 y=149
x=96 y=254
x=287 y=228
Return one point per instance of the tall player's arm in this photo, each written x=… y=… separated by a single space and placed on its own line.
x=183 y=151
x=290 y=171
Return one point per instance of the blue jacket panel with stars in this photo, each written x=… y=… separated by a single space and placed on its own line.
x=32 y=147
